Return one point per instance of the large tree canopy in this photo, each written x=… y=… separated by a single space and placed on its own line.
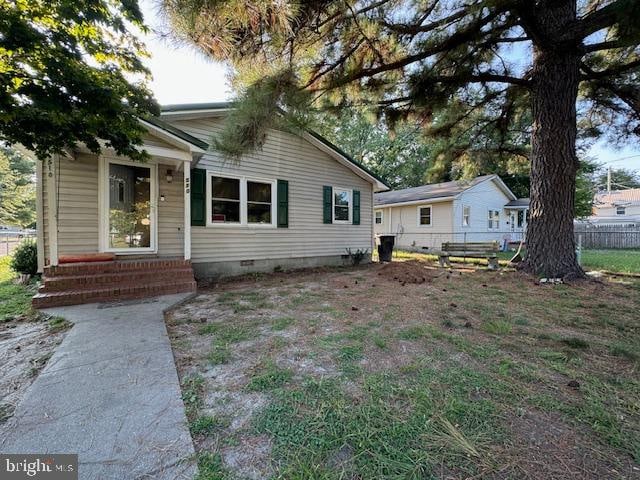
x=17 y=189
x=71 y=71
x=533 y=69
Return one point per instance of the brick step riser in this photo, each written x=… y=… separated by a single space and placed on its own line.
x=113 y=267
x=57 y=284
x=114 y=294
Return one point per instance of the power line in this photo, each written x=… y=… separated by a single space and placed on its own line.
x=620 y=159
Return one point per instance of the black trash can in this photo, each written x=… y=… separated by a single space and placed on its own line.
x=385 y=249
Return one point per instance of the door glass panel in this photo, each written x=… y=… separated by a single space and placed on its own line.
x=129 y=206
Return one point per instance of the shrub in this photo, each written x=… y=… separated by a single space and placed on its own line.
x=25 y=258
x=358 y=256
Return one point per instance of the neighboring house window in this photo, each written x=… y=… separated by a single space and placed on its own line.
x=258 y=202
x=494 y=219
x=521 y=217
x=225 y=200
x=621 y=210
x=378 y=217
x=466 y=215
x=341 y=205
x=424 y=216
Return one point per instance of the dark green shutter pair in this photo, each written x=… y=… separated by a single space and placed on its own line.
x=327 y=200
x=199 y=206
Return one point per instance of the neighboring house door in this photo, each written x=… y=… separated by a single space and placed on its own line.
x=129 y=211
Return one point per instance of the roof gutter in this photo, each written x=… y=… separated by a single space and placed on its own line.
x=424 y=201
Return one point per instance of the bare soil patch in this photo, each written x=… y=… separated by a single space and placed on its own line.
x=406 y=370
x=25 y=349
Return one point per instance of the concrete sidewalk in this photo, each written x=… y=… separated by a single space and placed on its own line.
x=110 y=393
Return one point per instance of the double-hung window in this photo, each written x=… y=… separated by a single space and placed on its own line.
x=621 y=211
x=240 y=201
x=259 y=202
x=466 y=215
x=225 y=200
x=378 y=217
x=424 y=216
x=494 y=220
x=341 y=205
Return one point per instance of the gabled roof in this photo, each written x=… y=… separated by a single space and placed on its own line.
x=437 y=191
x=155 y=121
x=628 y=197
x=519 y=202
x=315 y=138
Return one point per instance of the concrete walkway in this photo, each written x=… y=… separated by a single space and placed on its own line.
x=110 y=393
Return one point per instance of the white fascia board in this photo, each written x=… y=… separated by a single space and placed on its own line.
x=170 y=138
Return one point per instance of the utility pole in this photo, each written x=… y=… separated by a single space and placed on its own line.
x=609 y=179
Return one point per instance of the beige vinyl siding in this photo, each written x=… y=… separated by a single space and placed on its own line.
x=78 y=217
x=78 y=205
x=45 y=209
x=156 y=142
x=170 y=212
x=307 y=169
x=403 y=222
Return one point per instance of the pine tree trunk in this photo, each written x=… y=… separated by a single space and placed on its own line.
x=555 y=78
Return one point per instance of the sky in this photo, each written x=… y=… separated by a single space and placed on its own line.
x=183 y=75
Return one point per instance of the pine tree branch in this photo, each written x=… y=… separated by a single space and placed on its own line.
x=609 y=45
x=612 y=71
x=597 y=20
x=456 y=39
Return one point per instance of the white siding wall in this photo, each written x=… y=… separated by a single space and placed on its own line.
x=403 y=222
x=611 y=211
x=481 y=198
x=307 y=169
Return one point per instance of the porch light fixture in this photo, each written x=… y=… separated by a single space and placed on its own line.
x=169 y=176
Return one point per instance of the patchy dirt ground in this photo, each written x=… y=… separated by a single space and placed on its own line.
x=410 y=371
x=25 y=348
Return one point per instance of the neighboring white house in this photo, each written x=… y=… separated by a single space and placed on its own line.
x=299 y=201
x=482 y=209
x=617 y=207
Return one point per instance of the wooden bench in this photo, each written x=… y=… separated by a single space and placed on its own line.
x=488 y=250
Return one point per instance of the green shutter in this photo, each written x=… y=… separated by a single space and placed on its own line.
x=283 y=204
x=198 y=194
x=356 y=207
x=327 y=192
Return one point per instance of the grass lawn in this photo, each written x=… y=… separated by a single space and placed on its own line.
x=15 y=300
x=406 y=371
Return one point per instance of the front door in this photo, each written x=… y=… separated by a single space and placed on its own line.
x=130 y=223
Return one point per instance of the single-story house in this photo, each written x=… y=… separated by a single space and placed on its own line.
x=480 y=210
x=110 y=228
x=616 y=207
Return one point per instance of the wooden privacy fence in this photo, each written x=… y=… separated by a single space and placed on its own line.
x=608 y=236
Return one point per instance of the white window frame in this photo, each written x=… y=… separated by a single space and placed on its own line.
x=466 y=216
x=421 y=225
x=244 y=223
x=495 y=221
x=103 y=206
x=349 y=191
x=375 y=217
x=624 y=211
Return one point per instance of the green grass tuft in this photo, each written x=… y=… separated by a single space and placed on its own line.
x=575 y=342
x=210 y=467
x=270 y=376
x=282 y=323
x=497 y=327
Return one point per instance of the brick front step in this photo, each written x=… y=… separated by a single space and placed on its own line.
x=111 y=293
x=121 y=278
x=90 y=282
x=88 y=268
